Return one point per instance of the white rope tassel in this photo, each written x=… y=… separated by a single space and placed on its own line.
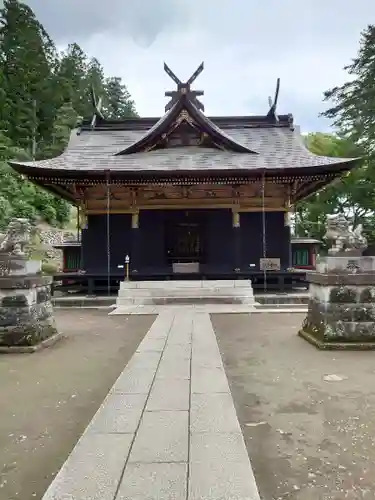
x=264 y=233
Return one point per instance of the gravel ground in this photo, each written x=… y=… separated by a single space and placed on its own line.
x=308 y=416
x=49 y=397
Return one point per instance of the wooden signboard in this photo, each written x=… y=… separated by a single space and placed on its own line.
x=270 y=264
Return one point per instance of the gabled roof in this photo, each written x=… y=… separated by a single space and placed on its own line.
x=279 y=149
x=244 y=146
x=184 y=110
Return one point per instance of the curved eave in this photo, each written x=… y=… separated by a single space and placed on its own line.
x=165 y=123
x=44 y=174
x=332 y=173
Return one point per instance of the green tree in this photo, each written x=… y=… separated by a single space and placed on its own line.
x=65 y=121
x=27 y=55
x=118 y=103
x=353 y=103
x=95 y=78
x=71 y=79
x=21 y=198
x=42 y=96
x=353 y=194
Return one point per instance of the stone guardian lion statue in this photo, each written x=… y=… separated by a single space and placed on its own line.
x=17 y=236
x=342 y=239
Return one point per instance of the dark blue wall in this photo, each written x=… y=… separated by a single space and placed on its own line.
x=218 y=242
x=95 y=242
x=277 y=238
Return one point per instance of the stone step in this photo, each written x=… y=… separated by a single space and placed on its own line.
x=281 y=306
x=187 y=292
x=177 y=284
x=122 y=301
x=153 y=293
x=287 y=298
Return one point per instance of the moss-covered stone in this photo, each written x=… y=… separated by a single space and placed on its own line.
x=14 y=301
x=43 y=295
x=315 y=320
x=339 y=312
x=363 y=312
x=367 y=296
x=343 y=295
x=29 y=334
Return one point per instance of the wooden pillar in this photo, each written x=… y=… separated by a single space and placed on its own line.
x=135 y=243
x=236 y=225
x=82 y=225
x=290 y=249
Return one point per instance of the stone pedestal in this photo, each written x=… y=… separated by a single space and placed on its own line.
x=26 y=314
x=341 y=309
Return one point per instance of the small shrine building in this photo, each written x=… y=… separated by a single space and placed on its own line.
x=185 y=195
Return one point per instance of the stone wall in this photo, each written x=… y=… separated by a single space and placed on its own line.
x=341 y=309
x=26 y=313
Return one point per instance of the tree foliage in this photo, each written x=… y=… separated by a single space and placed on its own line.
x=352 y=114
x=353 y=103
x=42 y=95
x=352 y=195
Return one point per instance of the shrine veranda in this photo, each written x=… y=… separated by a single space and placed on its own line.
x=186 y=196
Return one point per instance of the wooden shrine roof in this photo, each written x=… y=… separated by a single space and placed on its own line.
x=247 y=145
x=277 y=148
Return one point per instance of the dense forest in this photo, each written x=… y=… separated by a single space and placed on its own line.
x=43 y=94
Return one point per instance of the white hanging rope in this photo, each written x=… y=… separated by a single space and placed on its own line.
x=264 y=233
x=108 y=239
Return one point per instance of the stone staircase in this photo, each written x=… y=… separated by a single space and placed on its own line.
x=194 y=292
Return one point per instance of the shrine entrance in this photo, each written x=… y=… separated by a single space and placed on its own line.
x=184 y=242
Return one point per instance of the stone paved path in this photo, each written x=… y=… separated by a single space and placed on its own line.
x=167 y=429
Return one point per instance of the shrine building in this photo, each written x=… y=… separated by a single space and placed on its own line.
x=185 y=195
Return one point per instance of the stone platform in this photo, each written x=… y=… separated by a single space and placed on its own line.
x=26 y=314
x=341 y=312
x=168 y=428
x=158 y=293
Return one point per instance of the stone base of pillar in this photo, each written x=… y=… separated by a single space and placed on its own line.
x=341 y=309
x=26 y=314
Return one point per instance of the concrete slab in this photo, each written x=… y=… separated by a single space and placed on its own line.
x=213 y=413
x=207 y=380
x=162 y=437
x=134 y=381
x=175 y=351
x=152 y=344
x=173 y=368
x=146 y=359
x=221 y=480
x=169 y=394
x=154 y=482
x=220 y=468
x=120 y=413
x=93 y=470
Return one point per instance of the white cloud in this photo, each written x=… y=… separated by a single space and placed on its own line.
x=245 y=44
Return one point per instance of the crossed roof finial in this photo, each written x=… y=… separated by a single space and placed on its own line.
x=184 y=88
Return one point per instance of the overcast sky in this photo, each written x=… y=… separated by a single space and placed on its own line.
x=245 y=45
